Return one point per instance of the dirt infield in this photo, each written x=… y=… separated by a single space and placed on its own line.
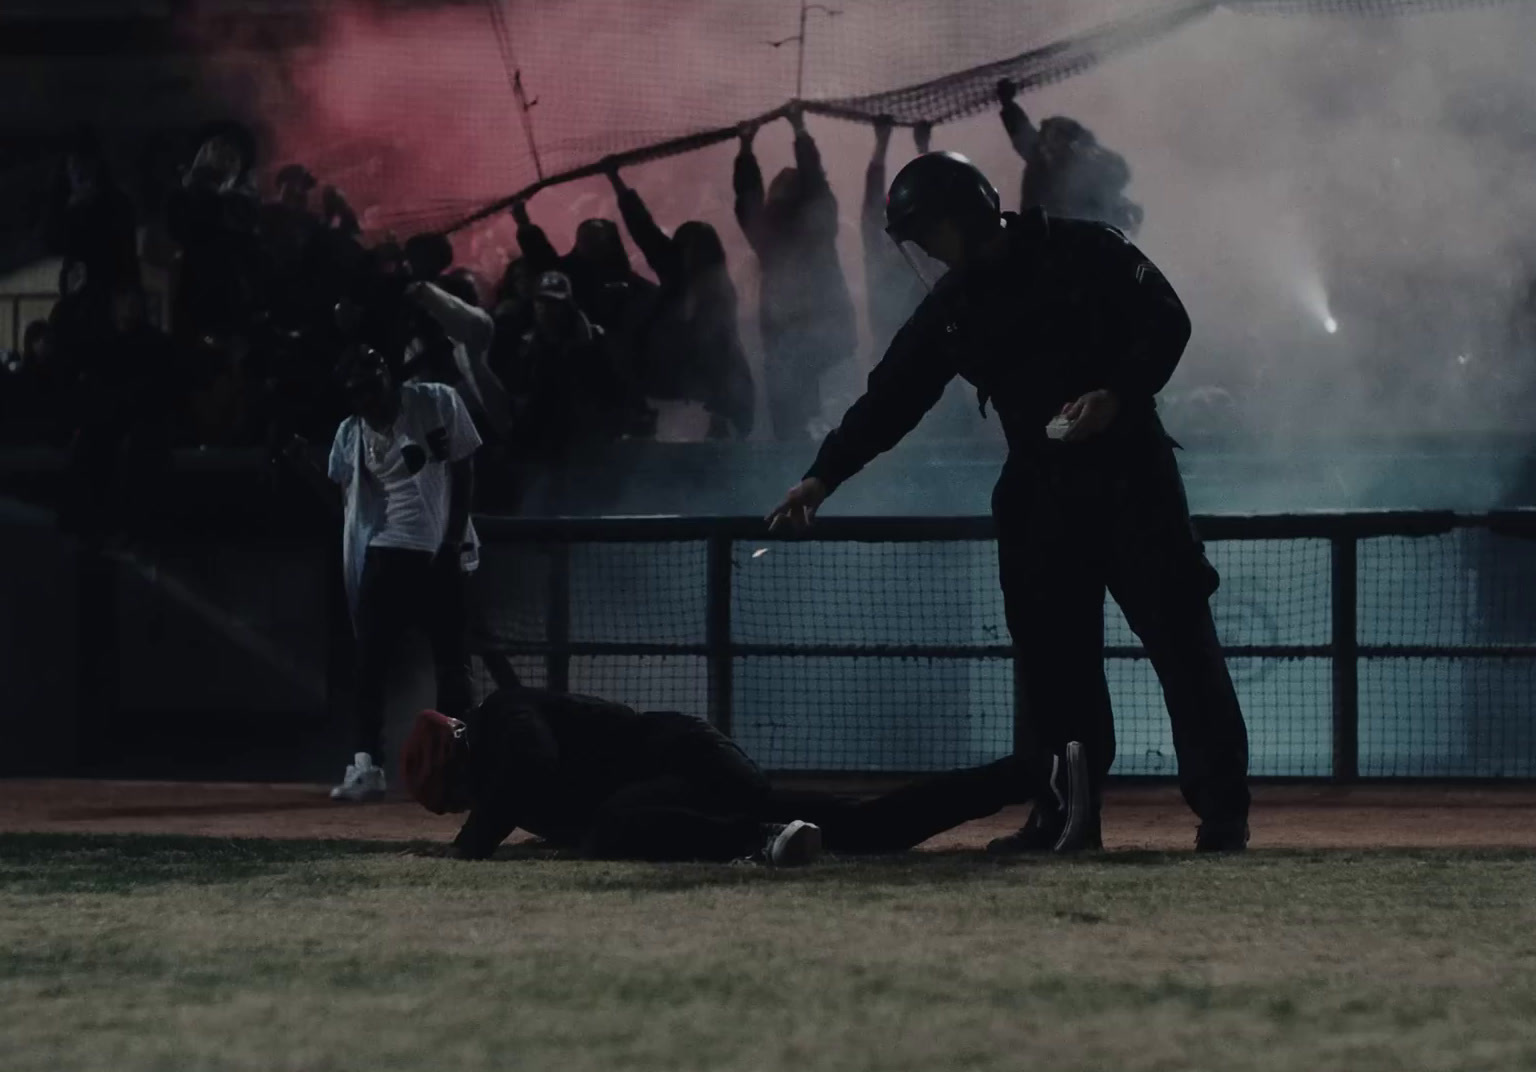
x=1137 y=817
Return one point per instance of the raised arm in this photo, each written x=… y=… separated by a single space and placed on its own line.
x=872 y=216
x=1021 y=132
x=462 y=322
x=533 y=243
x=748 y=181
x=659 y=251
x=476 y=330
x=922 y=137
x=813 y=174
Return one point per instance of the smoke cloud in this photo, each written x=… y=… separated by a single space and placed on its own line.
x=1372 y=173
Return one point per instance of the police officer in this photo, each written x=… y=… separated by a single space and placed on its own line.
x=1069 y=331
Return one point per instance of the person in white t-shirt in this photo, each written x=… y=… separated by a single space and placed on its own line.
x=404 y=463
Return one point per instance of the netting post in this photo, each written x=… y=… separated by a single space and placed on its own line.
x=1020 y=706
x=557 y=661
x=717 y=630
x=99 y=669
x=1346 y=669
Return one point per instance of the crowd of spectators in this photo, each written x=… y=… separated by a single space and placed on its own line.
x=262 y=293
x=237 y=345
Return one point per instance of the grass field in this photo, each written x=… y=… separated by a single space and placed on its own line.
x=123 y=952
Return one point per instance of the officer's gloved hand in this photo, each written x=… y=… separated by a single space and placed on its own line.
x=1090 y=415
x=799 y=507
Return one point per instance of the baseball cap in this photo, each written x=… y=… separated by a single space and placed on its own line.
x=555 y=286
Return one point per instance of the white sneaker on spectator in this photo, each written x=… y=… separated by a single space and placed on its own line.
x=364 y=781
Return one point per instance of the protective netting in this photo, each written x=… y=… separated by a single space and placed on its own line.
x=595 y=79
x=868 y=656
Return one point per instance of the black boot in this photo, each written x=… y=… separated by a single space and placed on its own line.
x=1222 y=837
x=1062 y=822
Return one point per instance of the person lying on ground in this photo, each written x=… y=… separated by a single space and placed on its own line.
x=612 y=783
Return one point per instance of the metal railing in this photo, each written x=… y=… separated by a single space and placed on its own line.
x=1342 y=531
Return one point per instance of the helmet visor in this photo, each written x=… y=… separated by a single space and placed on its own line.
x=929 y=270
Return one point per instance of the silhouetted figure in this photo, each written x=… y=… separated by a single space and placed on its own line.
x=1070 y=332
x=808 y=322
x=691 y=345
x=404 y=464
x=92 y=221
x=130 y=409
x=35 y=389
x=512 y=315
x=214 y=217
x=1066 y=171
x=566 y=390
x=603 y=283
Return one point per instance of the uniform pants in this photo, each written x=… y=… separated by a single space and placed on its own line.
x=1071 y=526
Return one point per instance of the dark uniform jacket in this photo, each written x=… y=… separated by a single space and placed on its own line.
x=1059 y=308
x=546 y=761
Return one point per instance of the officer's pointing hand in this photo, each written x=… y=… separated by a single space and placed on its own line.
x=1090 y=415
x=799 y=507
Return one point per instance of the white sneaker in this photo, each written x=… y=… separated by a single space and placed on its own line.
x=364 y=781
x=794 y=845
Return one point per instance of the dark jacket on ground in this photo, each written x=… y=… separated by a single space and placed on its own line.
x=692 y=346
x=545 y=762
x=585 y=773
x=1061 y=308
x=805 y=301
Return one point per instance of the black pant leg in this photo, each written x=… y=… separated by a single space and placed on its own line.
x=1051 y=572
x=696 y=796
x=665 y=819
x=1163 y=582
x=911 y=815
x=447 y=626
x=387 y=601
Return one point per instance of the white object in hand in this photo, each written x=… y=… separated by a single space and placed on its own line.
x=1058 y=428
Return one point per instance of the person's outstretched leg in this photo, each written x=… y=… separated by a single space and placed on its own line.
x=909 y=816
x=660 y=820
x=638 y=823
